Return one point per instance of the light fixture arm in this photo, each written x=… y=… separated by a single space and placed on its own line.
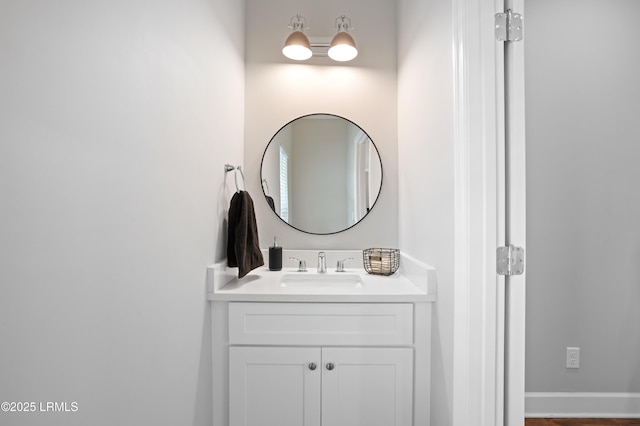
x=343 y=24
x=300 y=23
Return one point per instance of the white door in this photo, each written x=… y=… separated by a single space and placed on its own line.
x=367 y=387
x=274 y=386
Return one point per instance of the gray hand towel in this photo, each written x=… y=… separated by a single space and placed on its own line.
x=243 y=248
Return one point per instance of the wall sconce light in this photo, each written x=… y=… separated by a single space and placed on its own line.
x=341 y=48
x=297 y=46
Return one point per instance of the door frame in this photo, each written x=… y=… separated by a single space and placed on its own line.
x=480 y=369
x=515 y=203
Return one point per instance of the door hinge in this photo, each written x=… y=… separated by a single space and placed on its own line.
x=510 y=260
x=508 y=26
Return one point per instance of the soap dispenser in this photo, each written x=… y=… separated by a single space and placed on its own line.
x=275 y=256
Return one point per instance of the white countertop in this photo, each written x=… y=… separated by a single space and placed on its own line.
x=262 y=285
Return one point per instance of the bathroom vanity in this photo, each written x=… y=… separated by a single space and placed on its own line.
x=335 y=349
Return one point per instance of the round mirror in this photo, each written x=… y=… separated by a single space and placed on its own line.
x=321 y=173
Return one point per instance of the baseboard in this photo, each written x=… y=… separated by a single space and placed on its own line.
x=582 y=404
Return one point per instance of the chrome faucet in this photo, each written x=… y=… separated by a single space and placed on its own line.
x=340 y=264
x=322 y=263
x=302 y=265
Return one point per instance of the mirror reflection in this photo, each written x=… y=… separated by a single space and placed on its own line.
x=321 y=173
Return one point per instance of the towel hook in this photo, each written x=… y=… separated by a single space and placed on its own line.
x=228 y=168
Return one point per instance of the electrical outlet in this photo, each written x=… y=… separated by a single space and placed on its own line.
x=573 y=357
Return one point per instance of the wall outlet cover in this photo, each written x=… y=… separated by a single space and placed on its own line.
x=573 y=357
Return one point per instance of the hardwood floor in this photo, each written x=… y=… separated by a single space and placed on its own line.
x=582 y=422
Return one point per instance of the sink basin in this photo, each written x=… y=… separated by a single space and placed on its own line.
x=321 y=280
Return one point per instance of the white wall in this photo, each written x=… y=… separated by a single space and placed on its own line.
x=583 y=205
x=116 y=119
x=364 y=91
x=426 y=173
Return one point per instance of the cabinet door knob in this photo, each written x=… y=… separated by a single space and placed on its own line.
x=312 y=366
x=330 y=366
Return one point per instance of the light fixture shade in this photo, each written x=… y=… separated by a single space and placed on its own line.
x=297 y=46
x=342 y=47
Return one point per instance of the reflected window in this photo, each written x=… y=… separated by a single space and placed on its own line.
x=284 y=184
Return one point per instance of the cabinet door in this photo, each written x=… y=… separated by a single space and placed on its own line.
x=271 y=386
x=367 y=386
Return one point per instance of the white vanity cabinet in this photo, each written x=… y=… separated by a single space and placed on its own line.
x=274 y=386
x=321 y=364
x=320 y=351
x=299 y=386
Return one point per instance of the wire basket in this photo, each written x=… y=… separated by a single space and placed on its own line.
x=381 y=261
